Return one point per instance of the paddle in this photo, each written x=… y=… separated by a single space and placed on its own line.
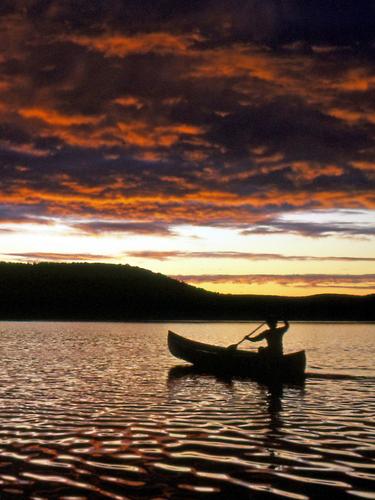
x=234 y=346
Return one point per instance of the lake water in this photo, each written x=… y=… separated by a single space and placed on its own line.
x=93 y=410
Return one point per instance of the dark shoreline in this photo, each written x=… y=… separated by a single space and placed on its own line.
x=122 y=293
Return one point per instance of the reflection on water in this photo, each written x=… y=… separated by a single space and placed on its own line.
x=99 y=411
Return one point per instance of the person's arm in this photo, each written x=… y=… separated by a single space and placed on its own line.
x=258 y=338
x=285 y=327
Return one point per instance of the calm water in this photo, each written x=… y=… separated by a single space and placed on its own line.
x=93 y=410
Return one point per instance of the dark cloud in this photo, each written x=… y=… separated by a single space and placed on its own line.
x=311 y=229
x=317 y=21
x=160 y=255
x=63 y=257
x=224 y=113
x=144 y=228
x=22 y=214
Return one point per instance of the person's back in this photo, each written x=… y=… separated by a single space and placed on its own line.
x=274 y=338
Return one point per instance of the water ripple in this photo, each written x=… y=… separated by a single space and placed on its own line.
x=85 y=414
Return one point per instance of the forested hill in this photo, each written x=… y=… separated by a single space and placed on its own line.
x=49 y=291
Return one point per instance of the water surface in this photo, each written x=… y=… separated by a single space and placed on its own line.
x=95 y=410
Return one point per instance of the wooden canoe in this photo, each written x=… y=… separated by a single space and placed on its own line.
x=236 y=362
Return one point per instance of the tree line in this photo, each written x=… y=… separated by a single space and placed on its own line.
x=82 y=291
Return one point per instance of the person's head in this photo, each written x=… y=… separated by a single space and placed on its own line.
x=271 y=322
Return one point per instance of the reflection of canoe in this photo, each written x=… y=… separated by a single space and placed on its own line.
x=224 y=361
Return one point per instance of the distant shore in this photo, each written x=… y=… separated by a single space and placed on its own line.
x=122 y=293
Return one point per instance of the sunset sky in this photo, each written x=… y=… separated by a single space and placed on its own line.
x=227 y=143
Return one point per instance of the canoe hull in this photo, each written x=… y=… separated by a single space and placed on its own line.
x=235 y=362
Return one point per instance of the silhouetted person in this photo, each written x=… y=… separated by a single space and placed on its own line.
x=274 y=338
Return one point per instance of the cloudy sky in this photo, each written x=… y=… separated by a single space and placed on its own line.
x=228 y=143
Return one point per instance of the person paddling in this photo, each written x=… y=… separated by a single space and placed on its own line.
x=274 y=338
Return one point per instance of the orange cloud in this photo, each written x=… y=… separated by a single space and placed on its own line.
x=129 y=101
x=356 y=80
x=367 y=166
x=139 y=133
x=309 y=171
x=65 y=196
x=351 y=116
x=144 y=135
x=53 y=117
x=289 y=74
x=235 y=61
x=121 y=46
x=26 y=148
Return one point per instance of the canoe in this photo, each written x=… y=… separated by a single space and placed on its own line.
x=237 y=362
